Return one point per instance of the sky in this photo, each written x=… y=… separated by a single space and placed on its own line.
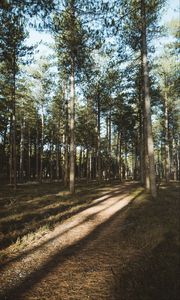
x=170 y=11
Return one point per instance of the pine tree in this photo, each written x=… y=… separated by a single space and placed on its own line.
x=139 y=25
x=71 y=41
x=12 y=51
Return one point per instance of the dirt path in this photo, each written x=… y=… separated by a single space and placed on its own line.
x=77 y=260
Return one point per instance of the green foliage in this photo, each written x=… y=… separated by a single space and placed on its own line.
x=86 y=134
x=71 y=39
x=100 y=41
x=132 y=20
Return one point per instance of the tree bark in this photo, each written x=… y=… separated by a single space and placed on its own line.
x=3 y=154
x=147 y=106
x=178 y=158
x=126 y=160
x=87 y=165
x=80 y=163
x=72 y=133
x=21 y=161
x=109 y=146
x=57 y=161
x=109 y=142
x=37 y=152
x=51 y=157
x=119 y=159
x=29 y=154
x=98 y=139
x=10 y=152
x=135 y=161
x=42 y=144
x=166 y=128
x=141 y=134
x=14 y=124
x=66 y=140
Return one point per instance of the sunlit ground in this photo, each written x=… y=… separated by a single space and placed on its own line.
x=110 y=247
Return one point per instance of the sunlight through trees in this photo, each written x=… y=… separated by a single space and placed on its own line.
x=103 y=106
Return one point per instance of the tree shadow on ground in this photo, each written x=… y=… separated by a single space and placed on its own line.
x=155 y=275
x=151 y=271
x=59 y=258
x=90 y=217
x=28 y=216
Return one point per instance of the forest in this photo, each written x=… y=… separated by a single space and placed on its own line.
x=90 y=106
x=84 y=111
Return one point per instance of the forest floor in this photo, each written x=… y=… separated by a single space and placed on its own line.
x=109 y=241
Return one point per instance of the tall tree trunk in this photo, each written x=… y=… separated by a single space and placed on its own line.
x=98 y=139
x=66 y=163
x=88 y=165
x=37 y=152
x=3 y=165
x=72 y=133
x=51 y=157
x=29 y=153
x=120 y=155
x=42 y=144
x=109 y=145
x=10 y=153
x=14 y=124
x=145 y=173
x=107 y=130
x=14 y=153
x=84 y=169
x=117 y=156
x=66 y=140
x=21 y=159
x=146 y=157
x=136 y=161
x=141 y=135
x=162 y=159
x=126 y=160
x=175 y=163
x=147 y=106
x=178 y=158
x=57 y=161
x=58 y=138
x=166 y=128
x=80 y=163
x=109 y=139
x=119 y=159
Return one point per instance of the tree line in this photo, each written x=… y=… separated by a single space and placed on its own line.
x=103 y=106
